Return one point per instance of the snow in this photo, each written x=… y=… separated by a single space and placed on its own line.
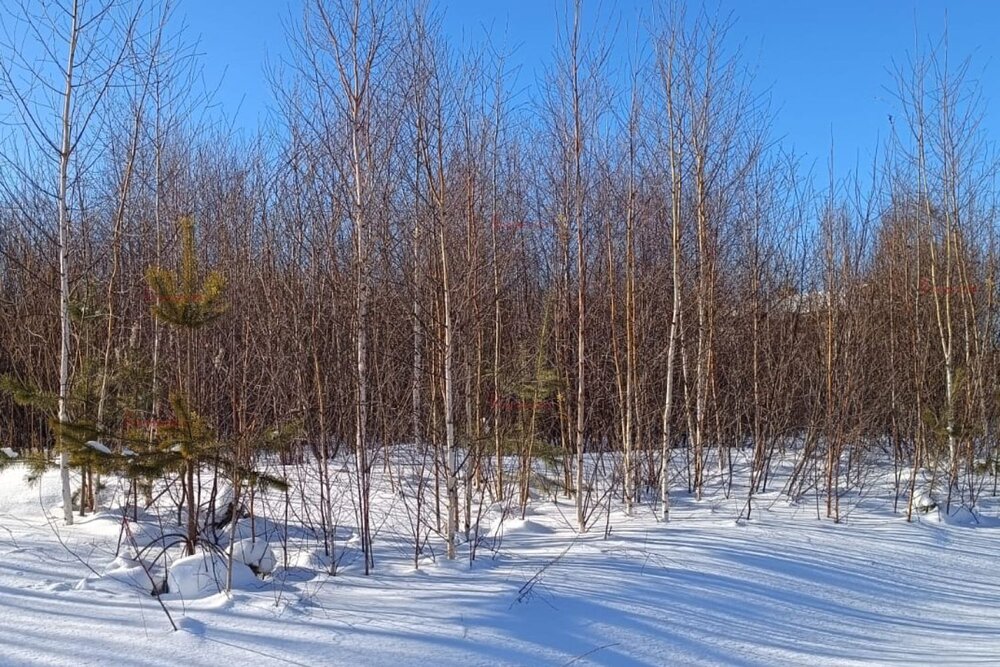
x=123 y=575
x=923 y=501
x=522 y=526
x=257 y=554
x=205 y=574
x=8 y=452
x=784 y=588
x=98 y=447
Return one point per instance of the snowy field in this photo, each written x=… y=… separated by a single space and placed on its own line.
x=784 y=588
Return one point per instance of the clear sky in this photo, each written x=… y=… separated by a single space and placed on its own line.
x=825 y=63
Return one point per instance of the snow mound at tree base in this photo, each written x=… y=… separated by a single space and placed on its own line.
x=255 y=554
x=123 y=576
x=204 y=574
x=923 y=502
x=964 y=517
x=520 y=527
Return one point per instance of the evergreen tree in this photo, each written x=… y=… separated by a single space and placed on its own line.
x=188 y=303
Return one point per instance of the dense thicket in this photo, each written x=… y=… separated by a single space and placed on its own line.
x=622 y=267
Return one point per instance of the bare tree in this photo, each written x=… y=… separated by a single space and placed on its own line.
x=97 y=37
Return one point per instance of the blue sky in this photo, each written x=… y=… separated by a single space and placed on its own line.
x=824 y=63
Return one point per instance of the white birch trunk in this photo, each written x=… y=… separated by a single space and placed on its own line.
x=64 y=321
x=451 y=452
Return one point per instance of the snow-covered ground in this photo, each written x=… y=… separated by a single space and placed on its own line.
x=784 y=588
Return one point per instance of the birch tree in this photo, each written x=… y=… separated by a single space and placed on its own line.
x=57 y=98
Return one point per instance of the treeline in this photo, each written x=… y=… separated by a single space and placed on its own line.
x=620 y=269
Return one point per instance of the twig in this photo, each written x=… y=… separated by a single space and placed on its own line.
x=590 y=652
x=525 y=590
